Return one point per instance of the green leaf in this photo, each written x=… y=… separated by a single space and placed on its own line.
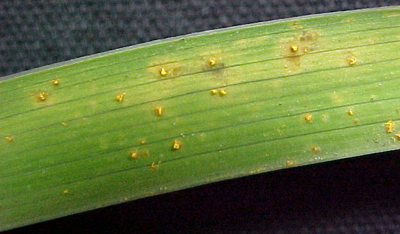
x=186 y=111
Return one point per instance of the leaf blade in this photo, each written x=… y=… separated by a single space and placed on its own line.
x=71 y=152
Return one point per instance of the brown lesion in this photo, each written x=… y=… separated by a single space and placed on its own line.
x=295 y=48
x=295 y=25
x=145 y=153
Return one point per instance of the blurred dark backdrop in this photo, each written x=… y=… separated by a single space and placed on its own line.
x=34 y=33
x=358 y=195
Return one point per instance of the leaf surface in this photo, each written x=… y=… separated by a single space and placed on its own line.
x=191 y=110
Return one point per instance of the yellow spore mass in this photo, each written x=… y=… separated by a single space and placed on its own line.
x=120 y=97
x=42 y=96
x=176 y=145
x=308 y=117
x=163 y=72
x=389 y=126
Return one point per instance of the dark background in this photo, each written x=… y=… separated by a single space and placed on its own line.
x=358 y=195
